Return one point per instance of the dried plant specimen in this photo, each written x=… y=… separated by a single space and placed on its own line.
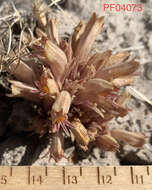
x=77 y=92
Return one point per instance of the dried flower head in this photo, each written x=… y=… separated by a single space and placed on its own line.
x=78 y=92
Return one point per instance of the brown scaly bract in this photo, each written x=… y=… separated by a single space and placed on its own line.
x=77 y=91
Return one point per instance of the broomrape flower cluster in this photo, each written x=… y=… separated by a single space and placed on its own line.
x=77 y=92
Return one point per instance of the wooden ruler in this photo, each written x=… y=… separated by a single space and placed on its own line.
x=76 y=178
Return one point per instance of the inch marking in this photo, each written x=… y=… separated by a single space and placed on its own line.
x=98 y=175
x=46 y=171
x=11 y=171
x=115 y=171
x=148 y=170
x=132 y=177
x=63 y=174
x=36 y=180
x=139 y=179
x=80 y=171
x=28 y=175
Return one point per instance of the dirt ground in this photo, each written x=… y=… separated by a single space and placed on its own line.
x=122 y=31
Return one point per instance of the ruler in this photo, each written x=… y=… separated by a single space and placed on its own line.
x=76 y=178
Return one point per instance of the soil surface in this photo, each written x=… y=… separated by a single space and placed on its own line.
x=124 y=30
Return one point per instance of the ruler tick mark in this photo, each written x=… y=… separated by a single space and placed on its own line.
x=80 y=171
x=11 y=171
x=63 y=174
x=98 y=175
x=132 y=176
x=148 y=170
x=29 y=175
x=46 y=171
x=115 y=171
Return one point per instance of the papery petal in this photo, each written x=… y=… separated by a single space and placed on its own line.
x=52 y=87
x=123 y=98
x=123 y=81
x=57 y=146
x=95 y=109
x=92 y=89
x=117 y=59
x=20 y=89
x=107 y=143
x=118 y=70
x=133 y=138
x=87 y=72
x=22 y=72
x=92 y=29
x=67 y=48
x=61 y=106
x=52 y=31
x=97 y=86
x=56 y=59
x=100 y=59
x=23 y=87
x=79 y=29
x=111 y=106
